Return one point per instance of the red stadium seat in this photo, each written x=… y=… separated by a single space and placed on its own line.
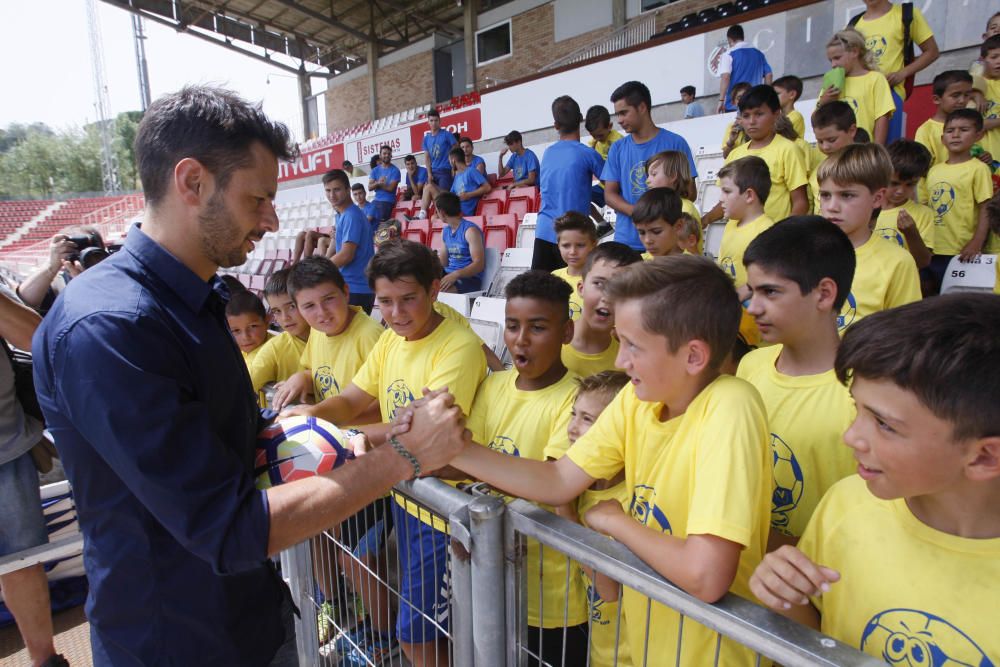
x=418 y=230
x=507 y=222
x=436 y=242
x=492 y=178
x=493 y=203
x=265 y=268
x=256 y=283
x=523 y=200
x=496 y=237
x=415 y=235
x=477 y=220
x=405 y=207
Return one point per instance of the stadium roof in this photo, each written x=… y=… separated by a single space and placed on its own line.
x=326 y=37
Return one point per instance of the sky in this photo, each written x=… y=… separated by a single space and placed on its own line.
x=48 y=76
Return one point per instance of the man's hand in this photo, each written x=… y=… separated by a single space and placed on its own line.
x=787 y=577
x=437 y=432
x=360 y=444
x=602 y=516
x=463 y=196
x=504 y=151
x=296 y=388
x=60 y=250
x=895 y=78
x=448 y=282
x=73 y=268
x=297 y=410
x=721 y=108
x=971 y=250
x=905 y=221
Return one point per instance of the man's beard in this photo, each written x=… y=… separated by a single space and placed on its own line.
x=220 y=235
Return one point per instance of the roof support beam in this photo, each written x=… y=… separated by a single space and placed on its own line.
x=292 y=4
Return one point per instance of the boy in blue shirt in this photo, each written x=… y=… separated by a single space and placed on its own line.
x=523 y=162
x=416 y=179
x=436 y=145
x=383 y=181
x=354 y=243
x=624 y=173
x=367 y=207
x=469 y=184
x=471 y=159
x=692 y=108
x=462 y=256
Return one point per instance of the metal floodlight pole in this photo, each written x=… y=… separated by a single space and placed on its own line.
x=105 y=121
x=139 y=36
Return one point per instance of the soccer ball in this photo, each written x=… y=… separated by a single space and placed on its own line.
x=296 y=448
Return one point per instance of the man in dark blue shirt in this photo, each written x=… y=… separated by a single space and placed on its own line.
x=154 y=416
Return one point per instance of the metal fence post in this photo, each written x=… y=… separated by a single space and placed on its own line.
x=488 y=610
x=515 y=593
x=297 y=568
x=462 y=615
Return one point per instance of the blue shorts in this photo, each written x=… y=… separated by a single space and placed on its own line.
x=424 y=584
x=897 y=126
x=443 y=179
x=470 y=284
x=23 y=525
x=383 y=210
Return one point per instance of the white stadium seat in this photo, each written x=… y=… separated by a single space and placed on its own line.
x=979 y=275
x=713 y=239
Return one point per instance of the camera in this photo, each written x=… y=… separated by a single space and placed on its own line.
x=89 y=250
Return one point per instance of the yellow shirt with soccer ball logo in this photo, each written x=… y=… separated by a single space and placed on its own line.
x=735 y=239
x=575 y=302
x=333 y=361
x=870 y=97
x=956 y=192
x=705 y=472
x=887 y=224
x=884 y=39
x=991 y=140
x=885 y=277
x=788 y=172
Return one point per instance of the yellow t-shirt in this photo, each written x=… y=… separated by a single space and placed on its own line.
x=885 y=277
x=333 y=361
x=687 y=206
x=706 y=471
x=788 y=172
x=603 y=147
x=276 y=360
x=449 y=313
x=929 y=134
x=887 y=227
x=604 y=616
x=248 y=359
x=991 y=141
x=884 y=39
x=908 y=594
x=870 y=97
x=735 y=239
x=588 y=364
x=533 y=425
x=814 y=180
x=956 y=192
x=808 y=415
x=397 y=370
x=741 y=137
x=798 y=122
x=575 y=302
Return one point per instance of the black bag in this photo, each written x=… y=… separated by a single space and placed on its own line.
x=24 y=381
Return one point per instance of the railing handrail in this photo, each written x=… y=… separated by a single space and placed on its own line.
x=636 y=31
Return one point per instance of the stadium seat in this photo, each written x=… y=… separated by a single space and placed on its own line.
x=405 y=207
x=256 y=283
x=513 y=262
x=529 y=196
x=496 y=238
x=979 y=275
x=506 y=221
x=416 y=235
x=525 y=237
x=436 y=241
x=713 y=239
x=460 y=302
x=493 y=203
x=418 y=230
x=477 y=220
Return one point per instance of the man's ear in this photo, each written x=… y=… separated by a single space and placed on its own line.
x=190 y=179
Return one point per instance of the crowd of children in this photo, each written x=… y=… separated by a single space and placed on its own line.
x=697 y=412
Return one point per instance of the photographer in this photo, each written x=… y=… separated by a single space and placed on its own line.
x=71 y=252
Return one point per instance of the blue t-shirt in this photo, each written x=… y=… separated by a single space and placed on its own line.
x=749 y=66
x=476 y=161
x=391 y=174
x=459 y=255
x=419 y=178
x=522 y=165
x=566 y=183
x=353 y=226
x=437 y=146
x=371 y=213
x=626 y=165
x=694 y=110
x=467 y=181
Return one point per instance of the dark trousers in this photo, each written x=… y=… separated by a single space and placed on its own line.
x=576 y=641
x=366 y=301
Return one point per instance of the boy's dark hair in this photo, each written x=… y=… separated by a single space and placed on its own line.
x=735 y=33
x=402 y=258
x=464 y=140
x=543 y=286
x=347 y=164
x=597 y=116
x=749 y=172
x=739 y=89
x=214 y=126
x=861 y=136
x=760 y=96
x=338 y=175
x=373 y=162
x=577 y=222
x=990 y=44
x=634 y=93
x=512 y=137
x=944 y=350
x=433 y=113
x=947 y=78
x=805 y=249
x=966 y=114
x=689 y=90
x=277 y=283
x=409 y=158
x=357 y=186
x=838 y=114
x=791 y=83
x=657 y=204
x=684 y=298
x=312 y=271
x=611 y=252
x=566 y=114
x=245 y=303
x=910 y=159
x=449 y=204
x=232 y=283
x=457 y=153
x=608 y=383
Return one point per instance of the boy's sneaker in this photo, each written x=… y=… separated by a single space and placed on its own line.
x=421 y=214
x=364 y=646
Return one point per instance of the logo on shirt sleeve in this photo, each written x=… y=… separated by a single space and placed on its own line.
x=399 y=396
x=914 y=638
x=788 y=482
x=502 y=443
x=326 y=382
x=644 y=510
x=848 y=313
x=942 y=200
x=637 y=180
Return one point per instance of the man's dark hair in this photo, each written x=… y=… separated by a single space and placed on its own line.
x=910 y=159
x=245 y=303
x=449 y=204
x=338 y=175
x=612 y=252
x=789 y=82
x=688 y=90
x=577 y=222
x=749 y=172
x=216 y=127
x=966 y=114
x=597 y=116
x=512 y=137
x=402 y=258
x=735 y=33
x=760 y=96
x=409 y=158
x=990 y=44
x=311 y=272
x=277 y=283
x=540 y=285
x=805 y=249
x=232 y=283
x=433 y=113
x=657 y=204
x=373 y=162
x=457 y=153
x=634 y=93
x=463 y=140
x=948 y=78
x=566 y=114
x=357 y=186
x=347 y=164
x=383 y=147
x=944 y=350
x=837 y=114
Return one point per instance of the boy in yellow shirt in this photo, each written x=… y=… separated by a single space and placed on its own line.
x=734 y=135
x=903 y=219
x=655 y=217
x=799 y=272
x=952 y=90
x=746 y=187
x=852 y=187
x=594 y=347
x=681 y=432
x=576 y=238
x=278 y=359
x=689 y=235
x=602 y=135
x=424 y=349
x=524 y=412
x=834 y=126
x=789 y=89
x=990 y=54
x=247 y=321
x=902 y=560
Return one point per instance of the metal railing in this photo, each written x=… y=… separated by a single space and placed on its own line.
x=629 y=35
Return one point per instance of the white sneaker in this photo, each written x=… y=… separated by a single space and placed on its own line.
x=421 y=214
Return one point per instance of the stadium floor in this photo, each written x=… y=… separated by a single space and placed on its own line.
x=72 y=640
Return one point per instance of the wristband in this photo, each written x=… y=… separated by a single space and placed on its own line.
x=402 y=451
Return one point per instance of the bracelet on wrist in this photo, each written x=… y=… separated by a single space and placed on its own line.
x=402 y=451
